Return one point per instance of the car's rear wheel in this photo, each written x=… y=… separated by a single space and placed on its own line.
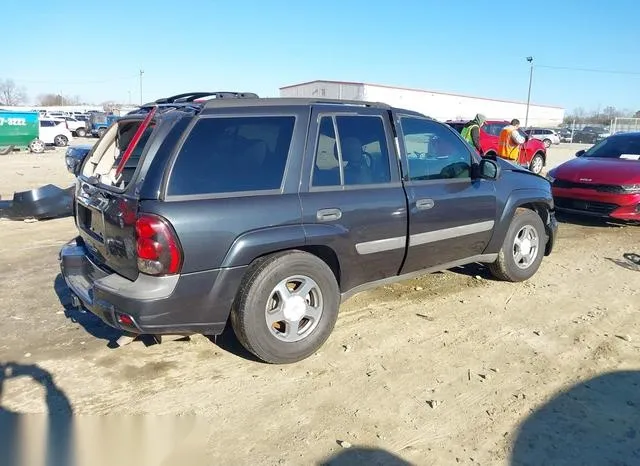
x=287 y=307
x=537 y=164
x=547 y=143
x=37 y=146
x=60 y=140
x=81 y=132
x=101 y=132
x=523 y=248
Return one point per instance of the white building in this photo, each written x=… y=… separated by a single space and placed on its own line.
x=439 y=105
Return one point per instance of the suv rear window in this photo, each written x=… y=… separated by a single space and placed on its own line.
x=232 y=154
x=111 y=148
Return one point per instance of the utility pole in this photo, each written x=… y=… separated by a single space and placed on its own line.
x=141 y=73
x=526 y=119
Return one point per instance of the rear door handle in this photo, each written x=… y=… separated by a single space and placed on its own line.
x=327 y=215
x=424 y=204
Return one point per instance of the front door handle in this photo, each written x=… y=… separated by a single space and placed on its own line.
x=424 y=204
x=327 y=215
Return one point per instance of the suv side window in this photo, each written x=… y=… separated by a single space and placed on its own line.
x=433 y=151
x=232 y=154
x=357 y=156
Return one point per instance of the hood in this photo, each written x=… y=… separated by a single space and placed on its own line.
x=599 y=170
x=507 y=165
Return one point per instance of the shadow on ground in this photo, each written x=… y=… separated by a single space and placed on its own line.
x=227 y=341
x=92 y=324
x=587 y=221
x=629 y=261
x=14 y=431
x=596 y=422
x=365 y=456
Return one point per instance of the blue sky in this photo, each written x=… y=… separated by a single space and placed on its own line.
x=466 y=47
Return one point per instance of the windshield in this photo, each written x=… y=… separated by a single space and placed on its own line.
x=617 y=147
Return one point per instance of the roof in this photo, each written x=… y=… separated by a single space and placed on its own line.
x=415 y=90
x=195 y=102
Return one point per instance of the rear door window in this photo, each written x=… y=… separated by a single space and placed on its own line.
x=232 y=154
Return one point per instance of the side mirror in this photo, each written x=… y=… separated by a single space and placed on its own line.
x=488 y=169
x=580 y=153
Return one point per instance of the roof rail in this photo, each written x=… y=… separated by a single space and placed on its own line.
x=270 y=101
x=192 y=96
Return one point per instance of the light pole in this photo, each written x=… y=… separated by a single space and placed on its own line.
x=141 y=73
x=526 y=118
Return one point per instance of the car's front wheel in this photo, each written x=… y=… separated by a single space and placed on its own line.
x=523 y=248
x=537 y=164
x=81 y=132
x=287 y=307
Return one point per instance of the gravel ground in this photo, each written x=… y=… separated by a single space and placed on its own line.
x=451 y=368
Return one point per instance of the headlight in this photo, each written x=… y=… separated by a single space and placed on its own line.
x=631 y=188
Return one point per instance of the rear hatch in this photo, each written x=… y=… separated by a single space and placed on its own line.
x=106 y=204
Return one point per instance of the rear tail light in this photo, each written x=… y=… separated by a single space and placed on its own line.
x=157 y=246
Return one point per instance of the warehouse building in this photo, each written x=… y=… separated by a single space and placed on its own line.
x=439 y=105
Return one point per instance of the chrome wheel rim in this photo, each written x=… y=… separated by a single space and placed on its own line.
x=537 y=165
x=525 y=247
x=294 y=308
x=37 y=146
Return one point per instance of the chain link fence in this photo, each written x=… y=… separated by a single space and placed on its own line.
x=625 y=125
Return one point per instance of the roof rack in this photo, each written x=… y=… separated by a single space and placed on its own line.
x=192 y=96
x=296 y=101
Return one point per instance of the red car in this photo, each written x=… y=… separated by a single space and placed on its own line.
x=603 y=181
x=534 y=156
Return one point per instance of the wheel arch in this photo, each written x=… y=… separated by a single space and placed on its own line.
x=536 y=200
x=256 y=245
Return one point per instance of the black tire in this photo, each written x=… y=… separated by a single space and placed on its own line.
x=547 y=143
x=505 y=267
x=101 y=132
x=60 y=140
x=537 y=164
x=81 y=132
x=248 y=316
x=6 y=150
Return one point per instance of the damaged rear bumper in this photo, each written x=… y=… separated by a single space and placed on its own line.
x=46 y=202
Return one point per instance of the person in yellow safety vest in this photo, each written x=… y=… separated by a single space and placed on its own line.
x=510 y=141
x=471 y=131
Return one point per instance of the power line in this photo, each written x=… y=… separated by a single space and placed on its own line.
x=590 y=70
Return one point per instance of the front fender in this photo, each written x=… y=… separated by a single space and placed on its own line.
x=517 y=198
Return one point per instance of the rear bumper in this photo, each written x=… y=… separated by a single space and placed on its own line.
x=179 y=304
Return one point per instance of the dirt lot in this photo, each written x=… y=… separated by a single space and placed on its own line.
x=446 y=369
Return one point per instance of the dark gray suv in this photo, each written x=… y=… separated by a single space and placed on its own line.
x=269 y=212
